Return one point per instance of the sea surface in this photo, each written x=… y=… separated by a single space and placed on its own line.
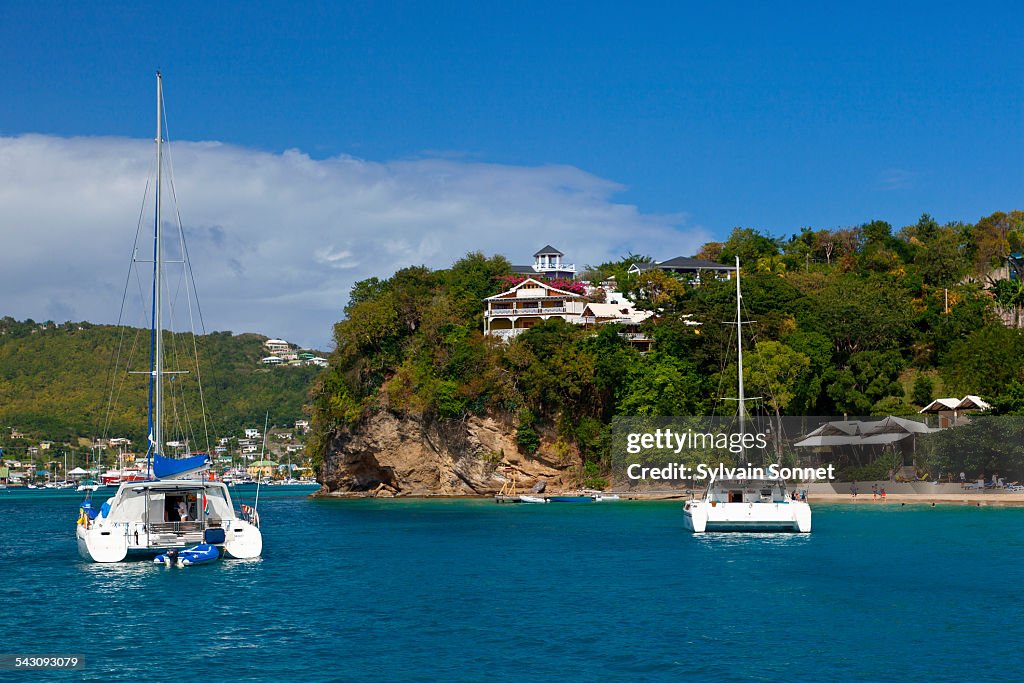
x=456 y=590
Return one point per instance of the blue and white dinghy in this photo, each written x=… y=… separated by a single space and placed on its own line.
x=201 y=554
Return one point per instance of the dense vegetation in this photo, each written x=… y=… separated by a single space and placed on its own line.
x=55 y=381
x=859 y=321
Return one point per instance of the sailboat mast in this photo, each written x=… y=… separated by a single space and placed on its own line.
x=158 y=356
x=739 y=343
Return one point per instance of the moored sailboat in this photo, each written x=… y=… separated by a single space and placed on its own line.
x=746 y=504
x=168 y=511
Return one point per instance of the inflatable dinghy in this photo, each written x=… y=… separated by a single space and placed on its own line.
x=200 y=554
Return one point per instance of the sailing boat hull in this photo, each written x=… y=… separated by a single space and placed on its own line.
x=141 y=519
x=700 y=516
x=244 y=541
x=101 y=545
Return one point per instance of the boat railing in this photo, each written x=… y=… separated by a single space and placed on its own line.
x=176 y=527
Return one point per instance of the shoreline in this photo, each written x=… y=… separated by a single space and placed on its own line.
x=978 y=499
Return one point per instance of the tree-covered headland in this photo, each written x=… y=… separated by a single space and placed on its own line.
x=866 y=320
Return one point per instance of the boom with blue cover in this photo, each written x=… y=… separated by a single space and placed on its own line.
x=170 y=468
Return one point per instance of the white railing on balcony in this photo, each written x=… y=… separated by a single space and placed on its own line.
x=507 y=334
x=559 y=268
x=529 y=310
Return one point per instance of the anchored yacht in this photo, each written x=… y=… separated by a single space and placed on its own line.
x=176 y=507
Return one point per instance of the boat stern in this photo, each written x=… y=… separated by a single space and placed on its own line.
x=695 y=516
x=101 y=543
x=243 y=540
x=802 y=516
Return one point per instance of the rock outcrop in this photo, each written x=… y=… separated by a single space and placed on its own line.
x=392 y=455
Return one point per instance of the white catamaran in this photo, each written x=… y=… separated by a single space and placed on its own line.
x=169 y=511
x=746 y=504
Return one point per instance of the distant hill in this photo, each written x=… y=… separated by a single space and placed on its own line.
x=55 y=380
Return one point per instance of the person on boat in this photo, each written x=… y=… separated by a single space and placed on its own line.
x=182 y=511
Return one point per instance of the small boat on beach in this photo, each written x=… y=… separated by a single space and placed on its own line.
x=532 y=499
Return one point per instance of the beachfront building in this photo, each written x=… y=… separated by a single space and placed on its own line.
x=861 y=441
x=953 y=411
x=691 y=269
x=548 y=262
x=531 y=301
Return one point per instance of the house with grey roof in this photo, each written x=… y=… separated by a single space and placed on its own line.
x=695 y=268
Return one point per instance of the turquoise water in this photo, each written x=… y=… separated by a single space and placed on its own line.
x=470 y=590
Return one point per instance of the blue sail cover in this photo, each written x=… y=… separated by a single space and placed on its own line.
x=172 y=468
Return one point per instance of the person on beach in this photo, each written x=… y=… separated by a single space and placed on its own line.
x=874 y=492
x=853 y=490
x=883 y=495
x=963 y=479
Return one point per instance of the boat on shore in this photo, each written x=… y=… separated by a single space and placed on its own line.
x=176 y=507
x=532 y=499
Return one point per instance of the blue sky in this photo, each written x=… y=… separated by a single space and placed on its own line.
x=696 y=116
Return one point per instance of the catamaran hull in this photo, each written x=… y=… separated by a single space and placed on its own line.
x=700 y=516
x=101 y=545
x=106 y=544
x=243 y=541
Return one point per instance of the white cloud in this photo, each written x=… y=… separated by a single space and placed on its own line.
x=278 y=239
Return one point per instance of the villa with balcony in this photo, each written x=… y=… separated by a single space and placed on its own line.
x=527 y=304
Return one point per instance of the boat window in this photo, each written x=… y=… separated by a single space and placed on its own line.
x=736 y=496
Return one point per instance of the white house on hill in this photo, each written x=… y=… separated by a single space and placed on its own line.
x=619 y=314
x=277 y=345
x=525 y=305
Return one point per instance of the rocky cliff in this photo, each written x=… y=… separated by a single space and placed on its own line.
x=392 y=455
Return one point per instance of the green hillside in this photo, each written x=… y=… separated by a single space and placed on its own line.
x=846 y=319
x=55 y=381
